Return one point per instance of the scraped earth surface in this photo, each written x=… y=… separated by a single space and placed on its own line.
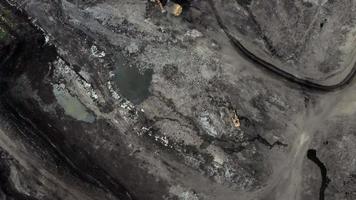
x=312 y=39
x=108 y=99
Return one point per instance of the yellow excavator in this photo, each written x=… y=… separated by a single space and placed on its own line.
x=174 y=7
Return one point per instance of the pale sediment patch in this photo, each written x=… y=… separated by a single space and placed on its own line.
x=72 y=106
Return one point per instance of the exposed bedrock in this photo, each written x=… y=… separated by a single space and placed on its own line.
x=116 y=100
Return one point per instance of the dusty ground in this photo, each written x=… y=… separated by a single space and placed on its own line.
x=120 y=101
x=311 y=39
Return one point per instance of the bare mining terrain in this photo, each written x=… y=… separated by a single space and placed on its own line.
x=228 y=100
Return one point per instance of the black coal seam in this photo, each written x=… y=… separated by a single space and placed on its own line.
x=276 y=70
x=8 y=28
x=11 y=50
x=311 y=155
x=7 y=186
x=244 y=3
x=265 y=142
x=103 y=180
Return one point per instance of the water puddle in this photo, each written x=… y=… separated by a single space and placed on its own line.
x=132 y=83
x=71 y=105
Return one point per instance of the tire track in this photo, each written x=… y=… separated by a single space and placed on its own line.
x=276 y=70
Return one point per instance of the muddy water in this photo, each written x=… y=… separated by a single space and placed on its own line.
x=72 y=106
x=132 y=83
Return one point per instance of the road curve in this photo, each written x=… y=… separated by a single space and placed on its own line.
x=286 y=75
